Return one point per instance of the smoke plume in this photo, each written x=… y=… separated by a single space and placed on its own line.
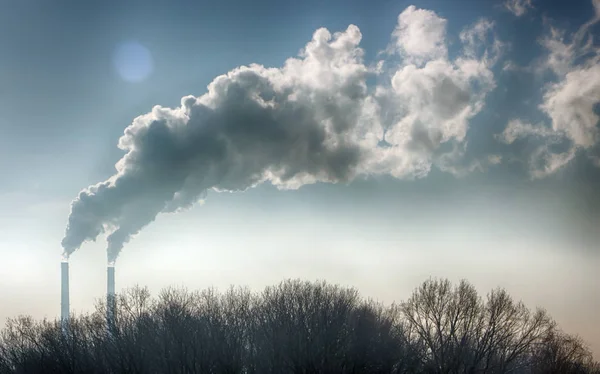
x=313 y=120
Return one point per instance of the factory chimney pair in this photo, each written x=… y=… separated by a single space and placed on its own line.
x=64 y=292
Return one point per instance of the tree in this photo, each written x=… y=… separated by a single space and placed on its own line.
x=298 y=327
x=560 y=353
x=460 y=333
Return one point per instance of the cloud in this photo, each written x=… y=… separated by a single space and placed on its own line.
x=453 y=162
x=420 y=35
x=432 y=99
x=570 y=104
x=570 y=101
x=544 y=162
x=518 y=7
x=312 y=120
x=437 y=100
x=516 y=129
x=480 y=42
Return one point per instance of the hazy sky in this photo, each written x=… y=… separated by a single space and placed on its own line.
x=473 y=142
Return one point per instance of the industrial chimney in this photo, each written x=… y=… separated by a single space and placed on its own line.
x=110 y=293
x=64 y=291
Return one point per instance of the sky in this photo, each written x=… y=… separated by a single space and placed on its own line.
x=372 y=144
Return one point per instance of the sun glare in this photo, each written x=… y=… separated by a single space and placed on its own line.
x=132 y=61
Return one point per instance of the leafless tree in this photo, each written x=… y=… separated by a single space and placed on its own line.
x=298 y=327
x=560 y=353
x=461 y=333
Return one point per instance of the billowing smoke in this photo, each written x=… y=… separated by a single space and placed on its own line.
x=570 y=102
x=313 y=120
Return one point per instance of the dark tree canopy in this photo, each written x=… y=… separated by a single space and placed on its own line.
x=299 y=327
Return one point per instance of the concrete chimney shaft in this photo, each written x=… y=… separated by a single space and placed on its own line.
x=110 y=293
x=64 y=291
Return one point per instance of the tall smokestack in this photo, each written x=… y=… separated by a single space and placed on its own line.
x=64 y=291
x=110 y=293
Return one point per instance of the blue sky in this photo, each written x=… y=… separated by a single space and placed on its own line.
x=64 y=106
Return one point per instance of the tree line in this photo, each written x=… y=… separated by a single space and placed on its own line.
x=298 y=327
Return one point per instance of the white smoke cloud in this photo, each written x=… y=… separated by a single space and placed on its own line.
x=437 y=101
x=300 y=124
x=517 y=129
x=480 y=42
x=432 y=99
x=453 y=162
x=570 y=102
x=570 y=105
x=544 y=162
x=312 y=120
x=518 y=7
x=420 y=35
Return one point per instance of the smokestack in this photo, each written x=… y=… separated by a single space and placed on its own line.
x=64 y=291
x=110 y=293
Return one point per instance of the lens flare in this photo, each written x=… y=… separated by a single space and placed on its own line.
x=132 y=61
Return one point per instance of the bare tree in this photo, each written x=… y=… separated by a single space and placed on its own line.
x=298 y=327
x=463 y=334
x=560 y=353
x=447 y=322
